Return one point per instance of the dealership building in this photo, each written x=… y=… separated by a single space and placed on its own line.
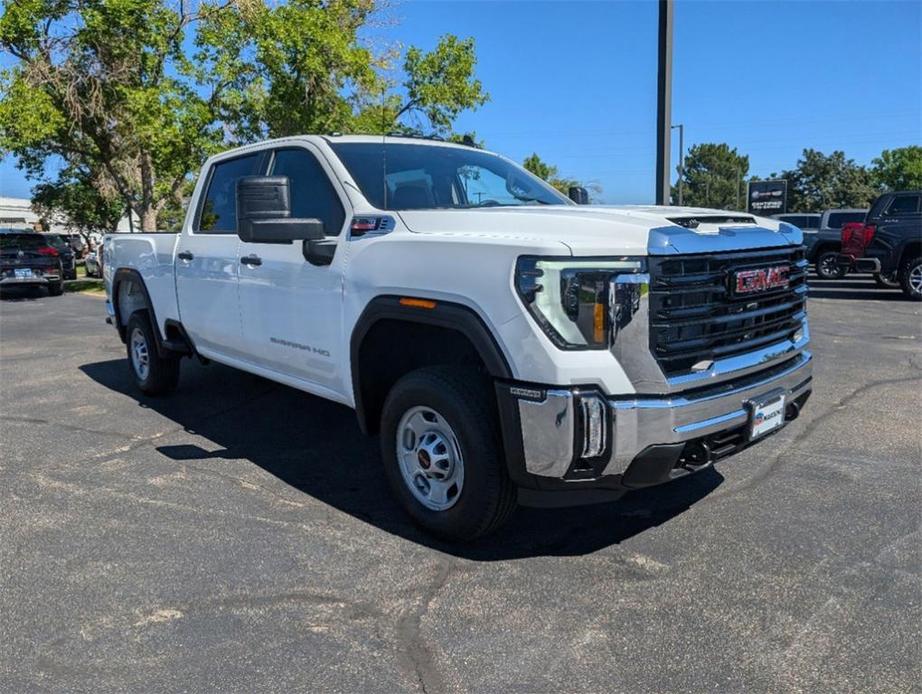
x=17 y=213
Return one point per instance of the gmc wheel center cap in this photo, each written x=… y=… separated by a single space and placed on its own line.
x=424 y=460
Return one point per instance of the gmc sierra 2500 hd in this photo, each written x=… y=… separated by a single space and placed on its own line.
x=508 y=345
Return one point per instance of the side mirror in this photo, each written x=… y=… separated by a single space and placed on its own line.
x=579 y=195
x=264 y=212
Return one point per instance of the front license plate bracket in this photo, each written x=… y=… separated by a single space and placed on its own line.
x=766 y=414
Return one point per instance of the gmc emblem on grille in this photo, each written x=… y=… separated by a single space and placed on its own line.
x=762 y=279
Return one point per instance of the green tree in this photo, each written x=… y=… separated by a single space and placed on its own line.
x=78 y=202
x=105 y=86
x=300 y=67
x=821 y=182
x=548 y=172
x=714 y=176
x=898 y=169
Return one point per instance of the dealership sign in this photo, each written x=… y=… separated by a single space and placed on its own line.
x=768 y=197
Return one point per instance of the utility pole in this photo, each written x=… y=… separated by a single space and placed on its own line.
x=681 y=160
x=664 y=102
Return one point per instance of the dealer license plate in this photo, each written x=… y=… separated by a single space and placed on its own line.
x=767 y=415
x=23 y=272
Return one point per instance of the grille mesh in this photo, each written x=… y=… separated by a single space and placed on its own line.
x=695 y=317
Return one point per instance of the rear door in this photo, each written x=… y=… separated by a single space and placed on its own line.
x=206 y=258
x=291 y=309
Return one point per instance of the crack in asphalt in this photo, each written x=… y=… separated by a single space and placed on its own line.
x=782 y=459
x=416 y=657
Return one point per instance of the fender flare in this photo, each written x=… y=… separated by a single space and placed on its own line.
x=129 y=274
x=452 y=316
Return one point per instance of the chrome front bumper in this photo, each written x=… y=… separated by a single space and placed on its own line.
x=557 y=425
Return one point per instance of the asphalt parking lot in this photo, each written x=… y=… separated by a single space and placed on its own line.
x=238 y=536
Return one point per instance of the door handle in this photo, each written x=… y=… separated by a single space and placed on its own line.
x=185 y=255
x=251 y=260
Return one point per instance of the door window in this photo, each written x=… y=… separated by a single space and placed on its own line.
x=218 y=213
x=312 y=194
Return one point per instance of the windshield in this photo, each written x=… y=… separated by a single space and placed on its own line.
x=397 y=176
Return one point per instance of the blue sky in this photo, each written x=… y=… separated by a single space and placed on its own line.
x=575 y=81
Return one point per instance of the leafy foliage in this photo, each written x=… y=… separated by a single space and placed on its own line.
x=108 y=87
x=714 y=176
x=75 y=200
x=820 y=182
x=899 y=169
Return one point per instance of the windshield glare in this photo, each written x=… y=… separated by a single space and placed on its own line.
x=423 y=177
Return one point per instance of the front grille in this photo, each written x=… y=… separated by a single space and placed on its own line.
x=695 y=316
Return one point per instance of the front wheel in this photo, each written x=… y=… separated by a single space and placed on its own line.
x=442 y=454
x=911 y=279
x=889 y=281
x=153 y=374
x=827 y=266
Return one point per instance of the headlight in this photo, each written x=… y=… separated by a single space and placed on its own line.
x=570 y=298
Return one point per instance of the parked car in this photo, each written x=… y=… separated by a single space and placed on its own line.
x=822 y=238
x=508 y=346
x=91 y=265
x=68 y=257
x=890 y=242
x=27 y=259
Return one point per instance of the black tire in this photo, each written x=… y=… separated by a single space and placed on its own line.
x=911 y=278
x=161 y=374
x=887 y=281
x=465 y=400
x=56 y=288
x=827 y=266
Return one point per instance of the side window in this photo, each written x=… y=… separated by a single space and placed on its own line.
x=312 y=194
x=218 y=213
x=902 y=205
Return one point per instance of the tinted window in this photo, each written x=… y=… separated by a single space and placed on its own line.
x=397 y=176
x=838 y=219
x=809 y=222
x=312 y=194
x=218 y=214
x=903 y=204
x=25 y=242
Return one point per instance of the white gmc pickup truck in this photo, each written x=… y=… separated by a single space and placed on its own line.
x=508 y=345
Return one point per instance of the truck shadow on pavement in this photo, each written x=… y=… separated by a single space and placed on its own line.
x=316 y=447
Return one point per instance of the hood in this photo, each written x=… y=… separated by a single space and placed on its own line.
x=606 y=230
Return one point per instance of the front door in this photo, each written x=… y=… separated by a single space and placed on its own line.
x=207 y=265
x=290 y=309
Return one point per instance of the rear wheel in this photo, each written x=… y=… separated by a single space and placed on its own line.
x=442 y=455
x=827 y=266
x=888 y=281
x=911 y=279
x=153 y=374
x=56 y=288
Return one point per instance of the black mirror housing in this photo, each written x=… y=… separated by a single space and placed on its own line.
x=264 y=212
x=579 y=195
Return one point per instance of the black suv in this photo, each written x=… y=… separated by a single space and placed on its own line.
x=62 y=245
x=893 y=232
x=26 y=259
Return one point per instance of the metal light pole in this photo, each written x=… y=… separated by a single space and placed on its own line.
x=681 y=128
x=664 y=102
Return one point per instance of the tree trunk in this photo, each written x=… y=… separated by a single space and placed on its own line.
x=149 y=219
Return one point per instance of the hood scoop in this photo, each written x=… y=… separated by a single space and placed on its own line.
x=695 y=221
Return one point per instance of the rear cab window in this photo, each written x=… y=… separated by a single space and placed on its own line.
x=839 y=219
x=903 y=205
